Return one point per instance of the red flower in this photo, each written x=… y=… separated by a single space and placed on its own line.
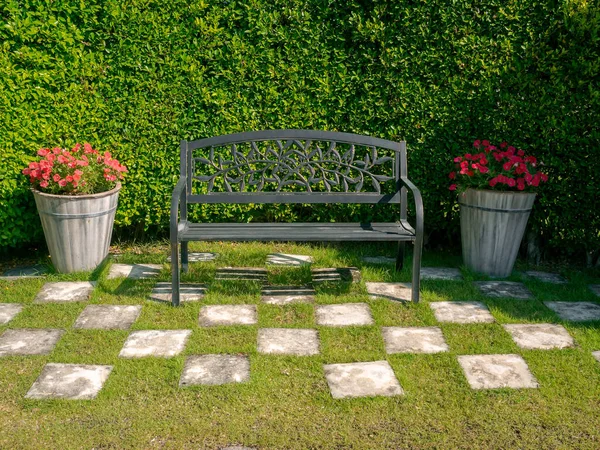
x=521 y=153
x=452 y=187
x=544 y=177
x=62 y=183
x=44 y=184
x=503 y=145
x=486 y=143
x=511 y=182
x=521 y=184
x=56 y=178
x=452 y=175
x=477 y=143
x=457 y=159
x=507 y=166
x=43 y=151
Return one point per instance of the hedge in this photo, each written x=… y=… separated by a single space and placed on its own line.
x=135 y=77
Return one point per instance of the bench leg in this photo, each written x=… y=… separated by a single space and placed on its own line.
x=400 y=256
x=416 y=269
x=174 y=274
x=184 y=257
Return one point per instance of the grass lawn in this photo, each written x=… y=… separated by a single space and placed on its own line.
x=287 y=402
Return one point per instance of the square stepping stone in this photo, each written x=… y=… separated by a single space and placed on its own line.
x=241 y=274
x=286 y=295
x=29 y=341
x=440 y=273
x=400 y=292
x=596 y=355
x=497 y=371
x=134 y=271
x=159 y=343
x=199 y=257
x=379 y=259
x=575 y=311
x=540 y=336
x=188 y=292
x=69 y=381
x=65 y=292
x=344 y=315
x=215 y=370
x=288 y=341
x=595 y=288
x=414 y=340
x=346 y=274
x=510 y=289
x=108 y=317
x=363 y=379
x=546 y=277
x=8 y=311
x=36 y=270
x=218 y=315
x=283 y=259
x=461 y=312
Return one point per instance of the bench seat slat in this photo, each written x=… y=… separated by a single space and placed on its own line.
x=297 y=232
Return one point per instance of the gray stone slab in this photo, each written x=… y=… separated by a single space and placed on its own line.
x=510 y=289
x=241 y=274
x=546 y=277
x=285 y=295
x=199 y=257
x=336 y=274
x=575 y=311
x=414 y=340
x=540 y=336
x=596 y=355
x=284 y=259
x=8 y=311
x=363 y=379
x=288 y=341
x=497 y=371
x=461 y=312
x=36 y=270
x=69 y=381
x=215 y=370
x=219 y=315
x=344 y=315
x=379 y=259
x=29 y=341
x=440 y=273
x=188 y=292
x=595 y=288
x=159 y=343
x=108 y=317
x=65 y=292
x=134 y=271
x=400 y=292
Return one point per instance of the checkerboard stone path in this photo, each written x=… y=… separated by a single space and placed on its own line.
x=390 y=291
x=34 y=271
x=414 y=340
x=344 y=315
x=65 y=292
x=284 y=259
x=288 y=341
x=8 y=312
x=29 y=341
x=461 y=312
x=157 y=343
x=540 y=336
x=575 y=311
x=440 y=273
x=219 y=315
x=596 y=355
x=188 y=292
x=199 y=257
x=69 y=381
x=497 y=371
x=546 y=277
x=510 y=289
x=215 y=370
x=379 y=259
x=108 y=317
x=134 y=271
x=363 y=379
x=286 y=295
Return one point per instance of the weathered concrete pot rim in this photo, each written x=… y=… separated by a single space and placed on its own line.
x=492 y=191
x=116 y=189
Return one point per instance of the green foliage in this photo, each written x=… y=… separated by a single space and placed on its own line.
x=135 y=77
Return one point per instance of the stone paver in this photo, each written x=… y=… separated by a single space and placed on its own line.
x=288 y=341
x=241 y=274
x=333 y=274
x=575 y=311
x=440 y=273
x=391 y=291
x=540 y=336
x=34 y=271
x=546 y=277
x=215 y=370
x=414 y=340
x=188 y=292
x=344 y=315
x=69 y=381
x=595 y=288
x=461 y=312
x=363 y=379
x=497 y=371
x=199 y=257
x=159 y=343
x=285 y=295
x=510 y=289
x=29 y=341
x=65 y=292
x=379 y=260
x=596 y=355
x=8 y=311
x=134 y=271
x=283 y=259
x=108 y=317
x=217 y=315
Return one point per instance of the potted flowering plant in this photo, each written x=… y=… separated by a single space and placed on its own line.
x=76 y=193
x=495 y=187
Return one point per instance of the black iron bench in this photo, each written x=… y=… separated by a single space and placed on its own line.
x=294 y=166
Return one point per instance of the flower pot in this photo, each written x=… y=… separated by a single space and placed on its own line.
x=77 y=228
x=492 y=224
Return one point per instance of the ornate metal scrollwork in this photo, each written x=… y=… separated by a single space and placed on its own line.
x=291 y=162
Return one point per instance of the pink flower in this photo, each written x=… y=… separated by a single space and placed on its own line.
x=457 y=159
x=44 y=184
x=477 y=143
x=56 y=178
x=43 y=151
x=452 y=187
x=511 y=182
x=62 y=183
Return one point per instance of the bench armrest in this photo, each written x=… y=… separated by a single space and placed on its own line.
x=419 y=211
x=178 y=193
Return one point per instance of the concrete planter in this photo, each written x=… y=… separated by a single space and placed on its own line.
x=77 y=228
x=492 y=225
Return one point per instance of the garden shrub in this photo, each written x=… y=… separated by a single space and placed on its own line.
x=136 y=77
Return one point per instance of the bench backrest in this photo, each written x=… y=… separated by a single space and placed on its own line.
x=295 y=166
